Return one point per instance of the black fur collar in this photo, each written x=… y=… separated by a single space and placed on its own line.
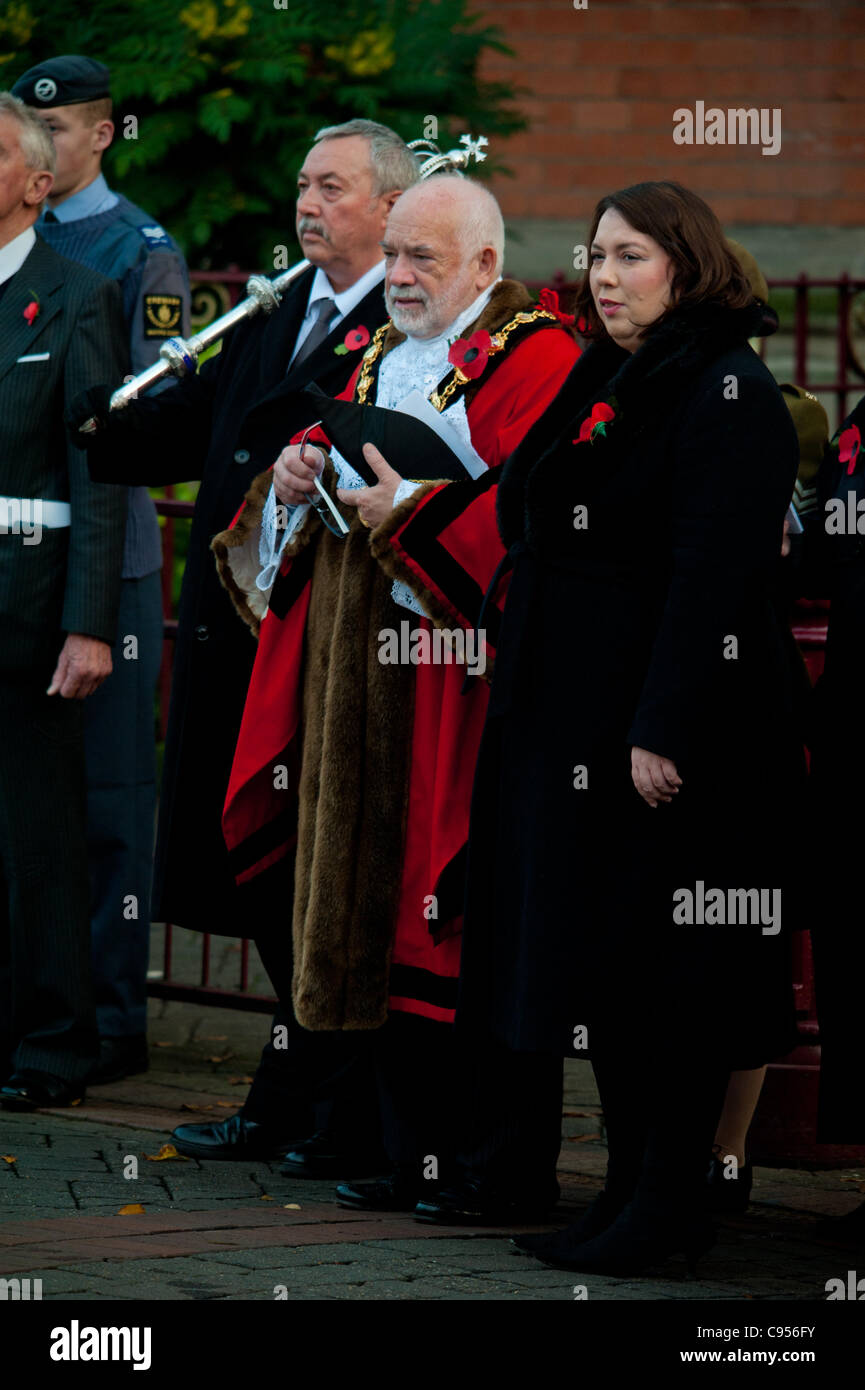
x=645 y=384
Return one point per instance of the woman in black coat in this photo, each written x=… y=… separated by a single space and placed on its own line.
x=640 y=668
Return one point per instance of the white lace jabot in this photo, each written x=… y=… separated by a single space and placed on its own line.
x=415 y=364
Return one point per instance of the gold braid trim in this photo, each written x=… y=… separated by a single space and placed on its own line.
x=440 y=399
x=498 y=341
x=373 y=352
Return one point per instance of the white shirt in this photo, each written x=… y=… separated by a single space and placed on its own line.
x=349 y=299
x=14 y=254
x=415 y=364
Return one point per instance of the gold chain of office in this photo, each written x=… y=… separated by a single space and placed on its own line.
x=440 y=399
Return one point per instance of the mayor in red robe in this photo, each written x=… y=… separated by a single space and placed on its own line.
x=360 y=735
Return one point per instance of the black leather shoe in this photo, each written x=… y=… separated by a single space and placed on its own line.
x=644 y=1234
x=601 y=1214
x=37 y=1090
x=320 y=1157
x=237 y=1138
x=397 y=1192
x=728 y=1195
x=473 y=1201
x=119 y=1057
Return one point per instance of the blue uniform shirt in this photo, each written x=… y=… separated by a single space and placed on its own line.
x=107 y=232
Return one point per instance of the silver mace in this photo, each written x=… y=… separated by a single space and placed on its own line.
x=179 y=356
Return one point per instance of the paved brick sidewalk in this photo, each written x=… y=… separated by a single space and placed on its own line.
x=217 y=1231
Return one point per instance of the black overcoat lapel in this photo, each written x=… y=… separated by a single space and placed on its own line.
x=39 y=278
x=646 y=386
x=280 y=333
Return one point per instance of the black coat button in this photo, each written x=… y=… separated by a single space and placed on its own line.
x=202 y=632
x=242 y=456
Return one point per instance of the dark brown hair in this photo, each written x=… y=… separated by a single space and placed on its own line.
x=704 y=268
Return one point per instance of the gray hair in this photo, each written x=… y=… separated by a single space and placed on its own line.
x=393 y=163
x=37 y=147
x=480 y=216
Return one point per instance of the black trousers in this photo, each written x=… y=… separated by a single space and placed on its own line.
x=317 y=1081
x=47 y=1019
x=121 y=803
x=477 y=1108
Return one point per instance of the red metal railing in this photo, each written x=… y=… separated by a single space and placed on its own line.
x=809 y=626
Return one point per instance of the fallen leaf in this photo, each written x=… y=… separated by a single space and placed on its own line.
x=291 y=1206
x=240 y=1080
x=134 y=1209
x=187 y=1106
x=9 y=1158
x=227 y=1104
x=219 y=1059
x=167 y=1151
x=265 y=1198
x=582 y=1138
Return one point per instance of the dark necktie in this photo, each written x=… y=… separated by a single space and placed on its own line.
x=51 y=217
x=327 y=310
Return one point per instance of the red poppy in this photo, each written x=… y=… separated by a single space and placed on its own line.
x=355 y=338
x=469 y=355
x=848 y=447
x=549 y=300
x=31 y=311
x=596 y=423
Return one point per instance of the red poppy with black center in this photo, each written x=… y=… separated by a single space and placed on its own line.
x=848 y=447
x=356 y=338
x=470 y=354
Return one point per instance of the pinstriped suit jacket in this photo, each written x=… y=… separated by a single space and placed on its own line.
x=70 y=580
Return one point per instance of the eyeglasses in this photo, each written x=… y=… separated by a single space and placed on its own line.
x=323 y=503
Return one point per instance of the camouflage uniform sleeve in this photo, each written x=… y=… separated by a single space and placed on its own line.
x=157 y=296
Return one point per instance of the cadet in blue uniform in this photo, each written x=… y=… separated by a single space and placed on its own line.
x=89 y=223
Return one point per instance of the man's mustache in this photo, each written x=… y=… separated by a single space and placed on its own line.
x=306 y=224
x=415 y=293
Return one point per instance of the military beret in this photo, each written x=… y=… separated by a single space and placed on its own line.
x=812 y=427
x=64 y=81
x=753 y=274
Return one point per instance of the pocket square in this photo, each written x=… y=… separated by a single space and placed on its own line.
x=34 y=357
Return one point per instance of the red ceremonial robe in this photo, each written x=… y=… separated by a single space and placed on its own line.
x=260 y=821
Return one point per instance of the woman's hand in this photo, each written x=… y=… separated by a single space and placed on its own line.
x=654 y=777
x=374 y=504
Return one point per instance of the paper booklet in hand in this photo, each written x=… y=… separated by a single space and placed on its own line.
x=413 y=437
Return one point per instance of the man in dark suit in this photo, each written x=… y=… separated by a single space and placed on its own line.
x=224 y=426
x=88 y=222
x=61 y=546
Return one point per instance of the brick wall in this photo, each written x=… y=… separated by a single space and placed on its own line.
x=603 y=83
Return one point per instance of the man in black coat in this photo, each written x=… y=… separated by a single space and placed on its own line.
x=224 y=426
x=61 y=546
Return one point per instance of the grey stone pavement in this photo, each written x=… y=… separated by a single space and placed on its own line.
x=227 y=1231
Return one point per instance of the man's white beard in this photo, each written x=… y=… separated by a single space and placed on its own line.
x=429 y=321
